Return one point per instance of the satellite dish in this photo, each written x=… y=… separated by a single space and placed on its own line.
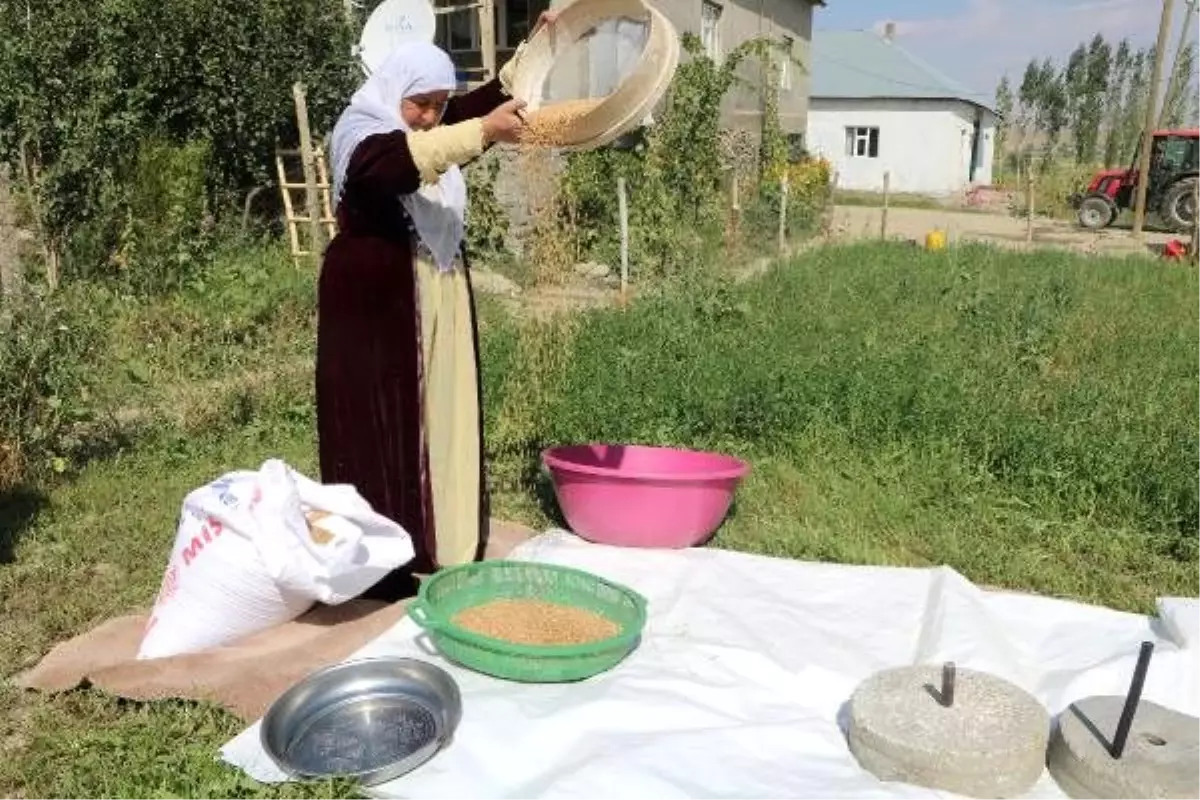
x=393 y=23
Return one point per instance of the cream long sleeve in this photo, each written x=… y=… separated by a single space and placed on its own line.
x=434 y=151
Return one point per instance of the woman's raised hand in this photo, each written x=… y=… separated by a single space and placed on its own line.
x=544 y=18
x=505 y=123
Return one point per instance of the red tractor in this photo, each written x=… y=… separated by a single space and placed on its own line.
x=1171 y=192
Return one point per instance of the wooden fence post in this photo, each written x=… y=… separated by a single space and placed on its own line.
x=623 y=211
x=31 y=173
x=9 y=241
x=887 y=188
x=312 y=202
x=1029 y=207
x=783 y=203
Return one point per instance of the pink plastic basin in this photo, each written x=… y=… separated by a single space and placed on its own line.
x=635 y=496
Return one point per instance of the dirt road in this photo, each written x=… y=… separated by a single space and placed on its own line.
x=856 y=222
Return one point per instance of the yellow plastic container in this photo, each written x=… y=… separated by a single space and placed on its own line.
x=935 y=240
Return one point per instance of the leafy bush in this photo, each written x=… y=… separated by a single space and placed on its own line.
x=809 y=194
x=86 y=88
x=85 y=368
x=1053 y=186
x=487 y=226
x=47 y=414
x=590 y=192
x=677 y=172
x=152 y=229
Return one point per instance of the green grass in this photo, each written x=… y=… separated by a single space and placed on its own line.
x=96 y=551
x=1047 y=400
x=1028 y=420
x=853 y=197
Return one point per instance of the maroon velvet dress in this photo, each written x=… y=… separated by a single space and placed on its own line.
x=368 y=376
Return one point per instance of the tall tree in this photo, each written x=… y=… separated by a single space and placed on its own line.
x=1074 y=81
x=1052 y=106
x=1090 y=112
x=1180 y=101
x=1194 y=110
x=1028 y=94
x=1004 y=107
x=1114 y=99
x=1133 y=108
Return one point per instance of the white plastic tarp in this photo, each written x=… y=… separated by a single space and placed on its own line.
x=740 y=684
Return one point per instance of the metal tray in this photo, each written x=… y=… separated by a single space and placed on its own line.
x=372 y=720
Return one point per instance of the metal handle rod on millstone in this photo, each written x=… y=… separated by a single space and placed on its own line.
x=1132 y=699
x=948 y=684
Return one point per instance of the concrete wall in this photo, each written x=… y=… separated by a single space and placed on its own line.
x=744 y=20
x=924 y=144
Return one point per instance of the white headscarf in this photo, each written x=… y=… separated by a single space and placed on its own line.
x=438 y=211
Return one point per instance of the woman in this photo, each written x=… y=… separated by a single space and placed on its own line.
x=398 y=395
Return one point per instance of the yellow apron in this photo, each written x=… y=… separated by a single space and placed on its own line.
x=451 y=410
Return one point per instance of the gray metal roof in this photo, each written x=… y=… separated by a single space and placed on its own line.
x=862 y=64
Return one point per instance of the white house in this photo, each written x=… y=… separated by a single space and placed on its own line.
x=875 y=108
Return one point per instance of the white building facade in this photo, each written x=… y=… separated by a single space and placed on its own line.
x=876 y=110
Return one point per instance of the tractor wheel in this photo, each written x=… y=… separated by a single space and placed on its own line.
x=1096 y=212
x=1179 y=206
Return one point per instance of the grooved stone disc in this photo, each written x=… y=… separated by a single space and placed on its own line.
x=1161 y=757
x=990 y=743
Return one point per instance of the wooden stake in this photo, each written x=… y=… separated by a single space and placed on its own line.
x=1029 y=207
x=1143 y=170
x=52 y=257
x=312 y=202
x=887 y=187
x=623 y=211
x=31 y=174
x=783 y=202
x=9 y=284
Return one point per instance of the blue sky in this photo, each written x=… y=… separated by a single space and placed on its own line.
x=977 y=41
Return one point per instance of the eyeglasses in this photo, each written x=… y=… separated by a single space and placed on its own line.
x=425 y=103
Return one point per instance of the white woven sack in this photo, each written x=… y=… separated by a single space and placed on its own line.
x=246 y=557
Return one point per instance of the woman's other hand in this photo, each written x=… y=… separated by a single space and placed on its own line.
x=545 y=18
x=505 y=123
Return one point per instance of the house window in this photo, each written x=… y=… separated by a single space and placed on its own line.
x=785 y=65
x=796 y=149
x=710 y=29
x=513 y=24
x=458 y=31
x=862 y=142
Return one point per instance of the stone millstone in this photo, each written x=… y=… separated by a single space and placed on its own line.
x=1161 y=757
x=990 y=743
